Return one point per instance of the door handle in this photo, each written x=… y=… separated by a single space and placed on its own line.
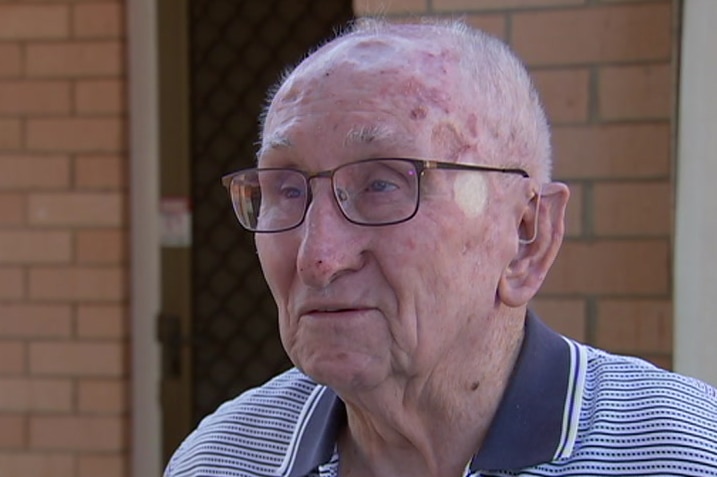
x=169 y=334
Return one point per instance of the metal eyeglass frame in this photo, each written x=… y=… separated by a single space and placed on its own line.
x=420 y=166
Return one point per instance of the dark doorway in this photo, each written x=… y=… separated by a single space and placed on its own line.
x=235 y=51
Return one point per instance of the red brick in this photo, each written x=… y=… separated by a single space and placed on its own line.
x=93 y=284
x=476 y=5
x=100 y=246
x=495 y=25
x=636 y=92
x=37 y=464
x=98 y=20
x=101 y=321
x=12 y=209
x=25 y=247
x=12 y=282
x=103 y=396
x=564 y=316
x=633 y=208
x=100 y=172
x=381 y=7
x=601 y=34
x=76 y=134
x=10 y=60
x=13 y=432
x=76 y=209
x=100 y=97
x=10 y=134
x=13 y=357
x=635 y=326
x=612 y=151
x=29 y=320
x=564 y=93
x=574 y=212
x=35 y=395
x=77 y=433
x=98 y=359
x=611 y=267
x=34 y=97
x=104 y=465
x=75 y=59
x=19 y=172
x=33 y=22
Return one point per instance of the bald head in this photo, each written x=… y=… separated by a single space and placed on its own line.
x=469 y=85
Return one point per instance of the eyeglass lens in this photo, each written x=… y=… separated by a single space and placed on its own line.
x=372 y=192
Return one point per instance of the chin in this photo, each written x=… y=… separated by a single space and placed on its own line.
x=342 y=372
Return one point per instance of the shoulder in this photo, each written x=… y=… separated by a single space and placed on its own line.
x=635 y=412
x=248 y=435
x=628 y=379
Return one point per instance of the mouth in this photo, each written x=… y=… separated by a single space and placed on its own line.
x=332 y=311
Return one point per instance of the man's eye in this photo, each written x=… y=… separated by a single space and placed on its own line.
x=291 y=192
x=381 y=186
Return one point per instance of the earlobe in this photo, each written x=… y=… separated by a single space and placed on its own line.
x=544 y=223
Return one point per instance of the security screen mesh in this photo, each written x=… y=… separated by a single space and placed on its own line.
x=238 y=48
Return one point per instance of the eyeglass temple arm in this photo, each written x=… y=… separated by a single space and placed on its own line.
x=530 y=240
x=472 y=167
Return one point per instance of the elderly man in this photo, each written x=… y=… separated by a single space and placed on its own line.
x=404 y=217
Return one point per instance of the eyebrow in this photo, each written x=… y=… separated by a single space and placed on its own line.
x=273 y=143
x=362 y=135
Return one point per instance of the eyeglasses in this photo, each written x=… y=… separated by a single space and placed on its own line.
x=370 y=192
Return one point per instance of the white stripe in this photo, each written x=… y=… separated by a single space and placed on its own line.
x=573 y=399
x=303 y=420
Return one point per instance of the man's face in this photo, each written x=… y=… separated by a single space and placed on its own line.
x=360 y=306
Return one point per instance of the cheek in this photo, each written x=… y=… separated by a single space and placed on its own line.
x=276 y=263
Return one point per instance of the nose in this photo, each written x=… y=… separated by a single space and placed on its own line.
x=331 y=246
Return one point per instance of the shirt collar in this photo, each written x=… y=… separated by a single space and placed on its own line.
x=536 y=412
x=535 y=421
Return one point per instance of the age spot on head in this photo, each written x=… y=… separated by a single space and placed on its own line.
x=419 y=112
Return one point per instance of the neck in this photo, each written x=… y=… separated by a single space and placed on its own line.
x=431 y=425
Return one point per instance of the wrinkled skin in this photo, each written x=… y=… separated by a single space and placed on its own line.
x=416 y=325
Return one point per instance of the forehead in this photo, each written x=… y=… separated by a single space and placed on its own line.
x=373 y=89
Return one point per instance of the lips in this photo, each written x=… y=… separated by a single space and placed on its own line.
x=325 y=310
x=332 y=302
x=333 y=310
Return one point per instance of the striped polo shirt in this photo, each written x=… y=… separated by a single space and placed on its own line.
x=569 y=410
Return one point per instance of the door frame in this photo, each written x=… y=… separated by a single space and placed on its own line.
x=143 y=77
x=695 y=262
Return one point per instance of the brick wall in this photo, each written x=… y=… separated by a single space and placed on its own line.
x=63 y=250
x=606 y=70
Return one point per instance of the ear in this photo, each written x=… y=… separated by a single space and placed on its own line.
x=542 y=227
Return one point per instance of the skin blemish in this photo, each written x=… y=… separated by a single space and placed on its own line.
x=418 y=112
x=445 y=137
x=472 y=125
x=470 y=191
x=425 y=95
